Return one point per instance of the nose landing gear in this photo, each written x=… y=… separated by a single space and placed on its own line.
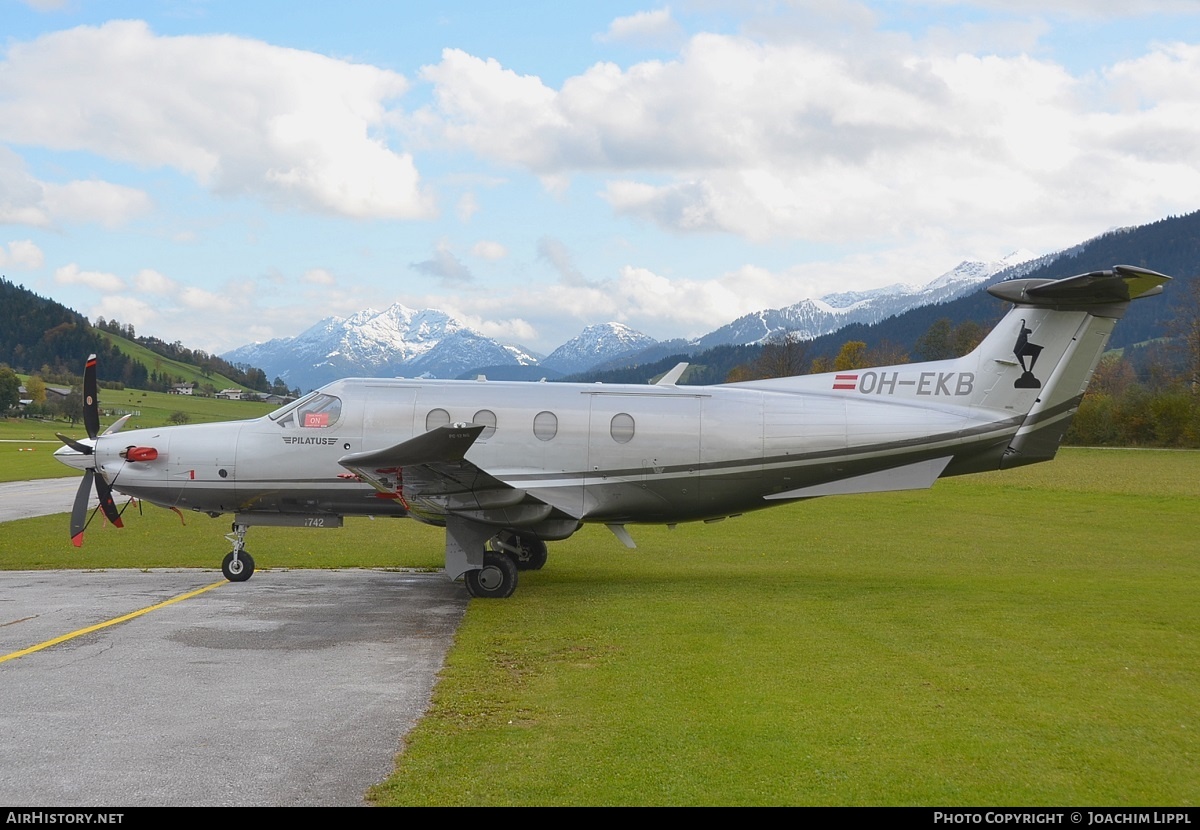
x=238 y=565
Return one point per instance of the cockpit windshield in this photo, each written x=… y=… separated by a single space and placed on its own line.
x=316 y=410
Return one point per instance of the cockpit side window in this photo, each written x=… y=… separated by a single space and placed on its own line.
x=315 y=411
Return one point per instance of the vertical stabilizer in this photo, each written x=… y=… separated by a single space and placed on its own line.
x=1039 y=358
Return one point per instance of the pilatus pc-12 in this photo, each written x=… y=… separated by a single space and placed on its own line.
x=507 y=466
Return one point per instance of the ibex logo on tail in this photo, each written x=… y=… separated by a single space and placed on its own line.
x=1025 y=349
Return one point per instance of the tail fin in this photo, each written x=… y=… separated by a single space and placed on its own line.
x=1039 y=358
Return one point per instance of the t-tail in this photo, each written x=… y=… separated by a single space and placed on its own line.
x=1039 y=358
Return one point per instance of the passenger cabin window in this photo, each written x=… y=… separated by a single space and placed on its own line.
x=621 y=428
x=486 y=419
x=315 y=411
x=545 y=426
x=436 y=418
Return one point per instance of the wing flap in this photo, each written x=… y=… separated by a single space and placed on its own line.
x=431 y=474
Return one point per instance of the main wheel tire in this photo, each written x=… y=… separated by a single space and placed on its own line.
x=530 y=552
x=497 y=578
x=240 y=570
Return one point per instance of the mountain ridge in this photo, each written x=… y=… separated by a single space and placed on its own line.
x=401 y=341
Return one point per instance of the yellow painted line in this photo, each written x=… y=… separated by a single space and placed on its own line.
x=116 y=621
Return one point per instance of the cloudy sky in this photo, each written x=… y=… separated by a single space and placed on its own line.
x=222 y=172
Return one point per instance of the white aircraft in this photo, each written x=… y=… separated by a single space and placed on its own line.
x=507 y=466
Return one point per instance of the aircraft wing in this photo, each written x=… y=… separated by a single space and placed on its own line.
x=444 y=444
x=431 y=476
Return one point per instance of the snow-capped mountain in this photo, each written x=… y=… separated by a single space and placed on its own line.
x=398 y=341
x=813 y=318
x=401 y=341
x=596 y=344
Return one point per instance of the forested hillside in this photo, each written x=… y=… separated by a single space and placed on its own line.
x=39 y=336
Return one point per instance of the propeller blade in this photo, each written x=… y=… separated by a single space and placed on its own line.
x=78 y=446
x=117 y=426
x=80 y=510
x=91 y=406
x=104 y=493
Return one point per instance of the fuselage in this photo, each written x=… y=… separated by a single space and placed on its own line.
x=592 y=452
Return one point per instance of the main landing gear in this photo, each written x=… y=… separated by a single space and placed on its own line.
x=506 y=553
x=527 y=551
x=497 y=579
x=238 y=566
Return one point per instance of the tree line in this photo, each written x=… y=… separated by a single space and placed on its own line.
x=787 y=354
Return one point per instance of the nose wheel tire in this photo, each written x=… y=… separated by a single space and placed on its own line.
x=239 y=569
x=497 y=578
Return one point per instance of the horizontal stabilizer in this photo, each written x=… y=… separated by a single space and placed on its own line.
x=444 y=444
x=1119 y=285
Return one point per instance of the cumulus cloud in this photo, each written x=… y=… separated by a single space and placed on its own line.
x=128 y=310
x=870 y=138
x=794 y=139
x=667 y=305
x=198 y=299
x=22 y=254
x=468 y=206
x=555 y=252
x=318 y=276
x=489 y=250
x=108 y=204
x=149 y=281
x=509 y=330
x=98 y=280
x=649 y=27
x=444 y=265
x=167 y=307
x=241 y=117
x=26 y=200
x=656 y=304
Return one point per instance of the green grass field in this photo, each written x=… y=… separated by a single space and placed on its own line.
x=1023 y=638
x=1029 y=637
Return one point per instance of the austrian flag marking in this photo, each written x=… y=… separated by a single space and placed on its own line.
x=845 y=382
